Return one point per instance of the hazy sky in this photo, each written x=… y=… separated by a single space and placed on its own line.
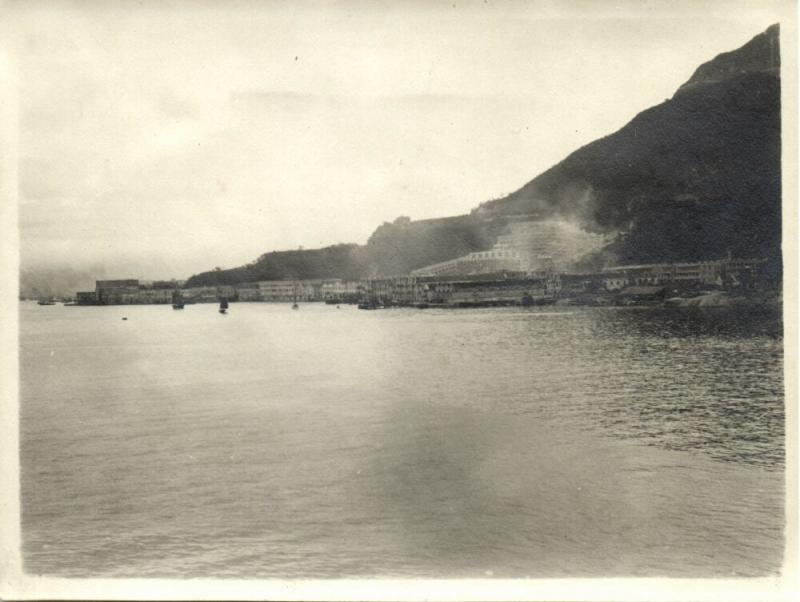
x=160 y=139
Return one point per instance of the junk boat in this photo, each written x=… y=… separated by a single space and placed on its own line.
x=223 y=306
x=177 y=300
x=372 y=304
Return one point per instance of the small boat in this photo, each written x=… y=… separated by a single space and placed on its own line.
x=530 y=301
x=223 y=306
x=45 y=302
x=177 y=300
x=294 y=303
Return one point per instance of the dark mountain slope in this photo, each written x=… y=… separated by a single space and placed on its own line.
x=692 y=178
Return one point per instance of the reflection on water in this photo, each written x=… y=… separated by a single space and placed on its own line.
x=539 y=442
x=695 y=383
x=728 y=322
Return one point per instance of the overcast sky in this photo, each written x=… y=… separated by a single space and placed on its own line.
x=161 y=139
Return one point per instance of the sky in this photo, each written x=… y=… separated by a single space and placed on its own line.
x=161 y=139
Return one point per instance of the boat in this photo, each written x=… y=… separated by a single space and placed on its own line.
x=294 y=303
x=46 y=302
x=530 y=301
x=177 y=300
x=223 y=306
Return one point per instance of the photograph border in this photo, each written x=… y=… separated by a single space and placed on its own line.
x=14 y=584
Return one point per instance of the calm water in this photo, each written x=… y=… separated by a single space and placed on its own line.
x=335 y=442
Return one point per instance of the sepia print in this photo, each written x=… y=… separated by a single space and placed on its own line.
x=351 y=300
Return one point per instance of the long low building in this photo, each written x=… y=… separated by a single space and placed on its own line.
x=726 y=273
x=330 y=289
x=133 y=292
x=502 y=288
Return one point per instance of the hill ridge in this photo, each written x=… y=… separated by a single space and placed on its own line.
x=695 y=177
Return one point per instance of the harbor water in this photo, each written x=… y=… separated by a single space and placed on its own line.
x=330 y=442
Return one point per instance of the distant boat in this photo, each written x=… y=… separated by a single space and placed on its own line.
x=294 y=304
x=45 y=302
x=223 y=306
x=530 y=301
x=177 y=300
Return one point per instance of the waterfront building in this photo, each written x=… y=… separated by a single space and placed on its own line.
x=615 y=282
x=153 y=295
x=116 y=292
x=319 y=289
x=500 y=289
x=281 y=290
x=86 y=297
x=618 y=277
x=505 y=288
x=718 y=273
x=248 y=291
x=208 y=294
x=337 y=290
x=746 y=273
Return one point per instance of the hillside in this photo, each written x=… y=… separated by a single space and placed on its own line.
x=695 y=177
x=394 y=248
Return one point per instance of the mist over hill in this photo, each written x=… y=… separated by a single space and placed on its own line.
x=695 y=177
x=394 y=248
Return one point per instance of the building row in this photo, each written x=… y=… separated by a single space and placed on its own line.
x=723 y=273
x=331 y=290
x=134 y=292
x=503 y=288
x=444 y=287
